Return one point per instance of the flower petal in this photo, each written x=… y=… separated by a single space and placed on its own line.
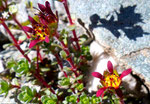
x=43 y=21
x=100 y=91
x=48 y=8
x=119 y=92
x=97 y=75
x=126 y=72
x=32 y=20
x=110 y=67
x=46 y=39
x=33 y=43
x=27 y=29
x=42 y=7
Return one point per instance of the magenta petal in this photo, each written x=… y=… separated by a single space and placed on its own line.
x=42 y=7
x=100 y=91
x=110 y=67
x=119 y=92
x=124 y=73
x=48 y=8
x=97 y=75
x=32 y=20
x=27 y=29
x=33 y=43
x=43 y=21
x=46 y=39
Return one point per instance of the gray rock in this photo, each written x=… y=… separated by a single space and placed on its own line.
x=123 y=25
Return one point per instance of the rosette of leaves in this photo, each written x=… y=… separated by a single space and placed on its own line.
x=95 y=100
x=49 y=99
x=27 y=94
x=20 y=68
x=84 y=99
x=64 y=81
x=72 y=99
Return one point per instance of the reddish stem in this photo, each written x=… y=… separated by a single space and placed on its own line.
x=44 y=82
x=15 y=19
x=37 y=60
x=61 y=65
x=15 y=41
x=15 y=86
x=69 y=59
x=71 y=23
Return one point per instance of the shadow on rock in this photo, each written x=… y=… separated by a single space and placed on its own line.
x=127 y=21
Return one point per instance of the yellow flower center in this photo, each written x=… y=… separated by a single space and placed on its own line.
x=112 y=80
x=40 y=31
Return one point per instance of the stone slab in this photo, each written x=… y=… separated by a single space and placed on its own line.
x=124 y=25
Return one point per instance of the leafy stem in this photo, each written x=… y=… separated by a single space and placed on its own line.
x=71 y=23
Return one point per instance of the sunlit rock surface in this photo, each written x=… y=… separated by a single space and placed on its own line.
x=124 y=25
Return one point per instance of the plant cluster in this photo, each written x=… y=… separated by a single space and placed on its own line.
x=41 y=72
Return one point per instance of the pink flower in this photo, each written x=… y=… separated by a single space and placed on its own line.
x=39 y=32
x=45 y=28
x=46 y=15
x=111 y=80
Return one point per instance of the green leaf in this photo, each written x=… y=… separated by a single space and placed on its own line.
x=47 y=92
x=65 y=40
x=79 y=77
x=84 y=99
x=64 y=81
x=27 y=52
x=45 y=69
x=13 y=9
x=95 y=100
x=72 y=27
x=80 y=87
x=27 y=94
x=29 y=4
x=11 y=63
x=56 y=45
x=47 y=100
x=60 y=93
x=63 y=32
x=22 y=67
x=29 y=91
x=63 y=54
x=69 y=90
x=7 y=45
x=15 y=81
x=71 y=99
x=66 y=69
x=4 y=87
x=83 y=39
x=22 y=38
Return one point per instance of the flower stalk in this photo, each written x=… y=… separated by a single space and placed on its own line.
x=44 y=82
x=69 y=59
x=15 y=19
x=61 y=65
x=15 y=41
x=71 y=23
